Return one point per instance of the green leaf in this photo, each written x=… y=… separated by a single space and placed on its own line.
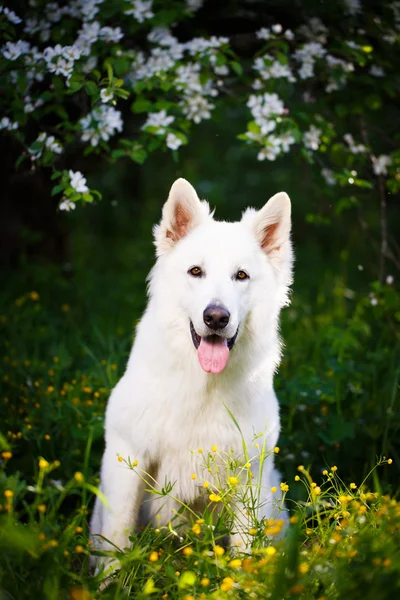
x=57 y=189
x=253 y=127
x=19 y=160
x=91 y=88
x=141 y=105
x=237 y=67
x=139 y=155
x=87 y=197
x=109 y=71
x=187 y=579
x=373 y=102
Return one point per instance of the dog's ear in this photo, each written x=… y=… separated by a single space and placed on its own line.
x=182 y=212
x=271 y=226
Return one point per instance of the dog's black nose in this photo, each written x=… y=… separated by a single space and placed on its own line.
x=216 y=317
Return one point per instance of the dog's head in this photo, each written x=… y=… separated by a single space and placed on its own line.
x=220 y=278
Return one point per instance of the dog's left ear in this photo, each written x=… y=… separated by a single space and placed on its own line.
x=271 y=226
x=182 y=212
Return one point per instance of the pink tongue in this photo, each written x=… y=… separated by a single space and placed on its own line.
x=213 y=354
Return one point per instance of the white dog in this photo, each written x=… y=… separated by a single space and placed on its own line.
x=207 y=345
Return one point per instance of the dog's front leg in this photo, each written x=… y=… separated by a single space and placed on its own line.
x=112 y=524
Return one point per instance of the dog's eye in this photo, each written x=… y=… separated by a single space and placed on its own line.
x=196 y=272
x=242 y=275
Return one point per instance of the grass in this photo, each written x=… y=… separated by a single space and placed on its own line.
x=338 y=387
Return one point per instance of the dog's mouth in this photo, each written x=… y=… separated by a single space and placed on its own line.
x=212 y=350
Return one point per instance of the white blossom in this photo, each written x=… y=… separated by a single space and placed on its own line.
x=263 y=33
x=314 y=30
x=12 y=51
x=141 y=10
x=381 y=163
x=307 y=55
x=60 y=59
x=353 y=147
x=48 y=142
x=373 y=300
x=353 y=7
x=161 y=35
x=78 y=182
x=389 y=279
x=202 y=46
x=100 y=124
x=193 y=5
x=11 y=16
x=160 y=120
x=312 y=138
x=67 y=205
x=106 y=95
x=289 y=35
x=111 y=34
x=6 y=123
x=196 y=108
x=376 y=71
x=271 y=151
x=352 y=45
x=277 y=28
x=268 y=68
x=328 y=176
x=265 y=108
x=173 y=142
x=52 y=144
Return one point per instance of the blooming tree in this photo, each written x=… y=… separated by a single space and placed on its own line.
x=69 y=71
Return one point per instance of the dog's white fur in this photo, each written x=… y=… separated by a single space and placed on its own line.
x=165 y=405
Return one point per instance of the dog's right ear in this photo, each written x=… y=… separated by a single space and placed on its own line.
x=182 y=212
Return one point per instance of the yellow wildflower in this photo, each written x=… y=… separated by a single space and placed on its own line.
x=6 y=455
x=79 y=477
x=353 y=486
x=214 y=448
x=389 y=462
x=233 y=480
x=42 y=508
x=188 y=551
x=215 y=498
x=219 y=550
x=43 y=463
x=79 y=549
x=276 y=449
x=227 y=584
x=284 y=487
x=153 y=556
x=9 y=493
x=196 y=529
x=205 y=582
x=270 y=550
x=273 y=489
x=303 y=568
x=194 y=476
